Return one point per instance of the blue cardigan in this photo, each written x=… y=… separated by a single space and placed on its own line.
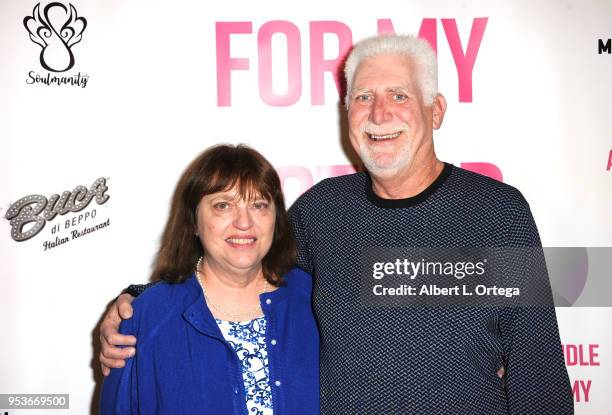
x=183 y=365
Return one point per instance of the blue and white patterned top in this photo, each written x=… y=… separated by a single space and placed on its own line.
x=178 y=334
x=248 y=339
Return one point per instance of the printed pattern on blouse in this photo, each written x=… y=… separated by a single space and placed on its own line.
x=248 y=339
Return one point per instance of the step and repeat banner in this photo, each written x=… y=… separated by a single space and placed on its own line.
x=104 y=103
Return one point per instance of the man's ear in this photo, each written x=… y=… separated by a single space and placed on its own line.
x=438 y=110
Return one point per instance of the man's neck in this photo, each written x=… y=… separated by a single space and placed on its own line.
x=410 y=183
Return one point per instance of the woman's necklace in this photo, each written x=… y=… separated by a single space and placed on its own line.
x=234 y=317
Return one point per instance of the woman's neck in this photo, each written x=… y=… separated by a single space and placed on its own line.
x=231 y=295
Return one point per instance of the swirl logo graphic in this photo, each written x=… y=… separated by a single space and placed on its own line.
x=56 y=31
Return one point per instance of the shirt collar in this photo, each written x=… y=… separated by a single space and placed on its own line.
x=409 y=201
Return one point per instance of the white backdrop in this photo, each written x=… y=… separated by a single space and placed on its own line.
x=539 y=111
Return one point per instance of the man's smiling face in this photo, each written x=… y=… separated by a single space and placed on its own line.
x=389 y=124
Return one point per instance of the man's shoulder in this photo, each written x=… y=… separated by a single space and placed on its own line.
x=331 y=187
x=334 y=184
x=484 y=189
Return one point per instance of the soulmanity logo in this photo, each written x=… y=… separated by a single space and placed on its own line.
x=56 y=29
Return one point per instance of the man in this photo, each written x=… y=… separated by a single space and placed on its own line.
x=412 y=360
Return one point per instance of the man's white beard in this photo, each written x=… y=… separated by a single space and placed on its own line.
x=385 y=168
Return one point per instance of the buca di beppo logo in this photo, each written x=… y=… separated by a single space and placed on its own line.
x=56 y=30
x=37 y=210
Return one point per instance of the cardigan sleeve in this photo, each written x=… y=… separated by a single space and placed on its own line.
x=119 y=391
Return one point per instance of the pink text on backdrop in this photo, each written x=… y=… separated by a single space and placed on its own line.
x=581 y=389
x=306 y=178
x=464 y=58
x=609 y=161
x=581 y=354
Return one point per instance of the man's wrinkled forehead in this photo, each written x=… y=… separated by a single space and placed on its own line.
x=390 y=71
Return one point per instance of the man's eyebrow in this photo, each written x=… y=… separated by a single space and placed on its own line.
x=360 y=90
x=395 y=88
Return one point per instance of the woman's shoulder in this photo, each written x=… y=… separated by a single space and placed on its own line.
x=298 y=280
x=163 y=300
x=162 y=293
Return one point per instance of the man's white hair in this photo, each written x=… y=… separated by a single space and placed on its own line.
x=404 y=45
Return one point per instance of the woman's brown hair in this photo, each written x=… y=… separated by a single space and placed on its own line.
x=218 y=169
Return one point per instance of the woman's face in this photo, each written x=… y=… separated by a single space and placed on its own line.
x=236 y=234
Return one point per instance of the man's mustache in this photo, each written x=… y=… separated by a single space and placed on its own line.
x=370 y=128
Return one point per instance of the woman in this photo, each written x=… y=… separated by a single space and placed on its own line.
x=230 y=329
